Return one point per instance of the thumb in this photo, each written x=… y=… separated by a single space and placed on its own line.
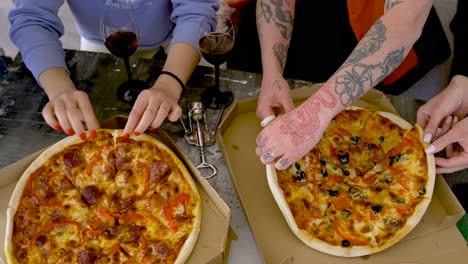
x=432 y=125
x=175 y=113
x=264 y=111
x=450 y=137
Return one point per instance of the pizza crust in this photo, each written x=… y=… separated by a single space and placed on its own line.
x=356 y=251
x=66 y=142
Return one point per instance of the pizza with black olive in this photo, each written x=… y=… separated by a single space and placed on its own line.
x=364 y=186
x=108 y=199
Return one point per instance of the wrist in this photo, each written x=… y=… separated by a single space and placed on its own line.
x=168 y=84
x=325 y=102
x=55 y=81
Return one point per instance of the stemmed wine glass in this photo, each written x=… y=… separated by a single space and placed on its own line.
x=215 y=45
x=120 y=34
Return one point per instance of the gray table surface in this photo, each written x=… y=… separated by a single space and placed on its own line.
x=23 y=130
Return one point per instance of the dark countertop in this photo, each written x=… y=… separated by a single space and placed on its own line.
x=23 y=130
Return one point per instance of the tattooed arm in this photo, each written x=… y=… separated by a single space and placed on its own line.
x=274 y=25
x=382 y=50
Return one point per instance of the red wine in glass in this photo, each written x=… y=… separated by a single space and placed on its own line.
x=215 y=46
x=122 y=43
x=120 y=35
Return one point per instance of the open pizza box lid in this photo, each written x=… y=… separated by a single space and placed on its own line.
x=213 y=241
x=434 y=240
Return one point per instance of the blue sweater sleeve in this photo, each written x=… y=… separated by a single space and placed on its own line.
x=35 y=30
x=188 y=15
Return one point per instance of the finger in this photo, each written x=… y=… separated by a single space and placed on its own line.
x=450 y=169
x=87 y=111
x=449 y=151
x=261 y=138
x=175 y=113
x=264 y=111
x=61 y=113
x=431 y=128
x=450 y=137
x=459 y=160
x=284 y=163
x=163 y=111
x=270 y=156
x=148 y=117
x=137 y=111
x=260 y=149
x=446 y=125
x=47 y=113
x=73 y=114
x=288 y=104
x=422 y=117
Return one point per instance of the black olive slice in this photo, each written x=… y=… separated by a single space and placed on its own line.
x=376 y=208
x=345 y=243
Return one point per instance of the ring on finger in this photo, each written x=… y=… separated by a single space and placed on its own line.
x=270 y=154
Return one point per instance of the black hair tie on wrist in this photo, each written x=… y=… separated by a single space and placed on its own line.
x=176 y=78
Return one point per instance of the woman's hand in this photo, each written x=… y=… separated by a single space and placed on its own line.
x=455 y=143
x=452 y=100
x=68 y=108
x=435 y=117
x=154 y=105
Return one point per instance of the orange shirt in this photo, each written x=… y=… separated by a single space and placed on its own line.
x=362 y=15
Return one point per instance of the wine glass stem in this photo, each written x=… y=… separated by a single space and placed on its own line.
x=127 y=66
x=217 y=76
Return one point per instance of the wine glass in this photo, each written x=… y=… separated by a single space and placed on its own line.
x=215 y=45
x=120 y=34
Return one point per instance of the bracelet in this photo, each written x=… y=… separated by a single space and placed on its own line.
x=176 y=78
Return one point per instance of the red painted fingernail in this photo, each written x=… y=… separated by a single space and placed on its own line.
x=151 y=128
x=93 y=133
x=136 y=133
x=83 y=136
x=58 y=128
x=70 y=132
x=126 y=135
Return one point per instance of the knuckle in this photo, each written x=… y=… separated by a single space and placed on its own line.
x=81 y=94
x=151 y=112
x=136 y=113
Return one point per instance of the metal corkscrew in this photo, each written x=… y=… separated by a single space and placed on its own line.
x=200 y=137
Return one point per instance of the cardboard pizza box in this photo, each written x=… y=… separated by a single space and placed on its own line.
x=215 y=235
x=434 y=240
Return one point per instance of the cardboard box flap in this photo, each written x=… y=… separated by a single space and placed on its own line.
x=275 y=241
x=212 y=240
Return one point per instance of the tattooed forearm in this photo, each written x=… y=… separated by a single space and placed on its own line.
x=369 y=45
x=281 y=53
x=273 y=11
x=352 y=84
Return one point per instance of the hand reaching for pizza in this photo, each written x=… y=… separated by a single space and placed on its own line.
x=290 y=136
x=436 y=119
x=68 y=107
x=452 y=100
x=455 y=143
x=153 y=106
x=274 y=94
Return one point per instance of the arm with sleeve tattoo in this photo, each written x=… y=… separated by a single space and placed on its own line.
x=380 y=52
x=274 y=25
